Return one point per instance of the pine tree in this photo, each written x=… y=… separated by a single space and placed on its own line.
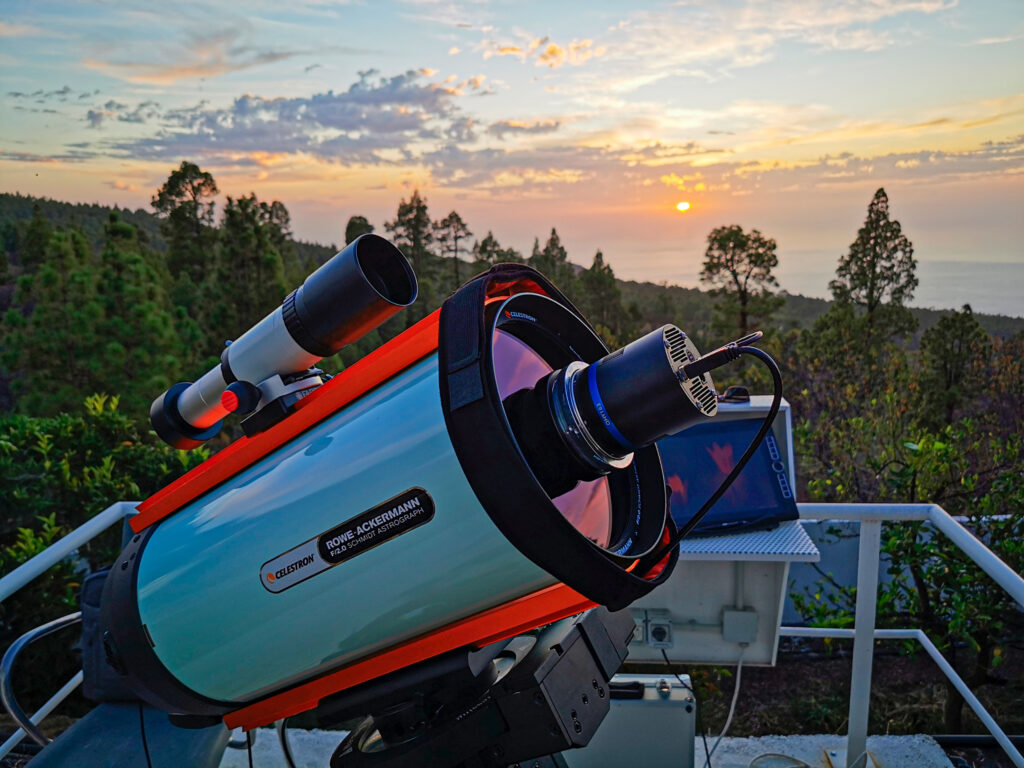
x=553 y=263
x=142 y=350
x=600 y=299
x=33 y=246
x=357 y=225
x=953 y=351
x=738 y=265
x=250 y=277
x=413 y=234
x=185 y=201
x=488 y=252
x=51 y=336
x=877 y=275
x=851 y=348
x=448 y=232
x=412 y=230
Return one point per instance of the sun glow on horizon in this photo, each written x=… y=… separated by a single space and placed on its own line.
x=682 y=207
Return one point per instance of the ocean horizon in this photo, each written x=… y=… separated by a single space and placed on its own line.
x=995 y=288
x=990 y=287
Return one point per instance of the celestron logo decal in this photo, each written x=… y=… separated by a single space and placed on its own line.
x=513 y=315
x=406 y=511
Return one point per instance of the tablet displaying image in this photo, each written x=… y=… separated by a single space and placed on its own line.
x=698 y=459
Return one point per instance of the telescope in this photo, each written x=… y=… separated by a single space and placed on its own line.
x=491 y=470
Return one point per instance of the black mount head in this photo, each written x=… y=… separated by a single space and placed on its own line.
x=525 y=698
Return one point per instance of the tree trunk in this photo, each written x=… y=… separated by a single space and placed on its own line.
x=952 y=712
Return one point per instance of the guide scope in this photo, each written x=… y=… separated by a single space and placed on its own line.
x=270 y=367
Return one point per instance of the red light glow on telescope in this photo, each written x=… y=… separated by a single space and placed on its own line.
x=229 y=401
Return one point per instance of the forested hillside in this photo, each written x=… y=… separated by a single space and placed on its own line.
x=692 y=306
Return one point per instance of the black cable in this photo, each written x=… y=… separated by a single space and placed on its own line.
x=249 y=738
x=145 y=743
x=696 y=703
x=766 y=425
x=282 y=737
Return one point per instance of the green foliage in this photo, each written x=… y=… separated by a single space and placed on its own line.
x=252 y=237
x=738 y=265
x=953 y=351
x=553 y=262
x=447 y=233
x=36 y=240
x=413 y=233
x=186 y=205
x=138 y=336
x=52 y=335
x=77 y=464
x=55 y=474
x=882 y=423
x=53 y=594
x=54 y=591
x=488 y=252
x=357 y=226
x=877 y=274
x=412 y=229
x=600 y=300
x=16 y=212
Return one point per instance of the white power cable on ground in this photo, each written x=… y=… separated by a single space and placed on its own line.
x=732 y=706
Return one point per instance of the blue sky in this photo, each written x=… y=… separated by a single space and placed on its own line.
x=595 y=118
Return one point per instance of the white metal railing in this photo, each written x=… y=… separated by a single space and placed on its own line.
x=864 y=634
x=38 y=565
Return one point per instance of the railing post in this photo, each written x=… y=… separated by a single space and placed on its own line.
x=863 y=642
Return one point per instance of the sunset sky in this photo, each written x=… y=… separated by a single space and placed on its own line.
x=596 y=118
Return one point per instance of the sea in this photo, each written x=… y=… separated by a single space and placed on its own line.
x=991 y=287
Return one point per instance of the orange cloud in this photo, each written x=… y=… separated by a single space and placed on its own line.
x=577 y=53
x=547 y=53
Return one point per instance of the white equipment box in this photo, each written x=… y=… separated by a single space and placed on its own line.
x=725 y=596
x=652 y=722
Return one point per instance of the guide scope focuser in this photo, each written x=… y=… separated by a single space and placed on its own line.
x=490 y=470
x=270 y=367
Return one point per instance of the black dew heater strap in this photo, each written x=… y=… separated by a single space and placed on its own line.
x=496 y=469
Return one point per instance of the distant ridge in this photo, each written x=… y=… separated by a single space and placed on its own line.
x=691 y=307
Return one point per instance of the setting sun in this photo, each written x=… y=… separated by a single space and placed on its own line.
x=684 y=206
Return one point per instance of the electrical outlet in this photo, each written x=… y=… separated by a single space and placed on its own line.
x=659 y=629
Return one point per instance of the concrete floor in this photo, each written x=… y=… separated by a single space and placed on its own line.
x=312 y=749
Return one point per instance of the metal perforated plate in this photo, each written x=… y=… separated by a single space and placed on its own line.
x=789 y=541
